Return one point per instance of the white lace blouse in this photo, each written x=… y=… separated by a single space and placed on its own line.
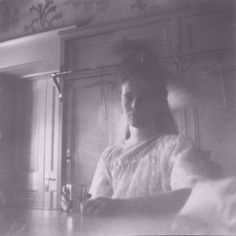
x=158 y=165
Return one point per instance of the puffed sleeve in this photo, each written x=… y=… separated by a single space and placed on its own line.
x=188 y=165
x=102 y=182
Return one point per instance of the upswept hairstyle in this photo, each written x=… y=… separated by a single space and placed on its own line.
x=138 y=63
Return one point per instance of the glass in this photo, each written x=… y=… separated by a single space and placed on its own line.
x=80 y=195
x=66 y=200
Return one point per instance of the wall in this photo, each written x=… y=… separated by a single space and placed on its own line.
x=25 y=17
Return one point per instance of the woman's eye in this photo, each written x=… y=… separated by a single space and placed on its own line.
x=128 y=98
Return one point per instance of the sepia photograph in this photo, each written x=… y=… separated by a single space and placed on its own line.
x=117 y=117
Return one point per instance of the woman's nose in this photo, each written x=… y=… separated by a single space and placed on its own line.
x=134 y=103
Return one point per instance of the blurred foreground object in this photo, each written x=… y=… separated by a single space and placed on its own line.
x=66 y=201
x=180 y=94
x=213 y=202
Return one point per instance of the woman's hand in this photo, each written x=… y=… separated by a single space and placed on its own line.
x=100 y=206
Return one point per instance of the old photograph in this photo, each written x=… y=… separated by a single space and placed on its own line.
x=117 y=117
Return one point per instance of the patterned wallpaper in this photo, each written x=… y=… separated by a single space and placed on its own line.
x=23 y=17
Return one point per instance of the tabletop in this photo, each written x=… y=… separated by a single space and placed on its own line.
x=15 y=222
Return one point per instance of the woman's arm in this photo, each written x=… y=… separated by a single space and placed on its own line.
x=169 y=202
x=163 y=203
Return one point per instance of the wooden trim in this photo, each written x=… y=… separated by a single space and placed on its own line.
x=60 y=147
x=90 y=73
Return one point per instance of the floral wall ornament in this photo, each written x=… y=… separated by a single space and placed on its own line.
x=45 y=17
x=9 y=14
x=87 y=4
x=100 y=5
x=140 y=4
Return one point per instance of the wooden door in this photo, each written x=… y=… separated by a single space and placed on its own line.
x=6 y=135
x=30 y=135
x=92 y=115
x=35 y=157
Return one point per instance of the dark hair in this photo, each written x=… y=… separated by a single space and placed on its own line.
x=138 y=63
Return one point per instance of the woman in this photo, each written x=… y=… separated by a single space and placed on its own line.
x=154 y=169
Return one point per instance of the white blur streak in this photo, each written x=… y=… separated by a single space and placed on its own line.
x=180 y=95
x=213 y=202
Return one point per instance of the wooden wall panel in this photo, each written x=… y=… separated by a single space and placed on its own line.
x=86 y=54
x=208 y=32
x=161 y=37
x=95 y=51
x=214 y=122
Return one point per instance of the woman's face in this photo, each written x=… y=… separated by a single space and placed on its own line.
x=141 y=103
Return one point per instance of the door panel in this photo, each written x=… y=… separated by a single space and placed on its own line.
x=30 y=134
x=208 y=32
x=35 y=157
x=92 y=113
